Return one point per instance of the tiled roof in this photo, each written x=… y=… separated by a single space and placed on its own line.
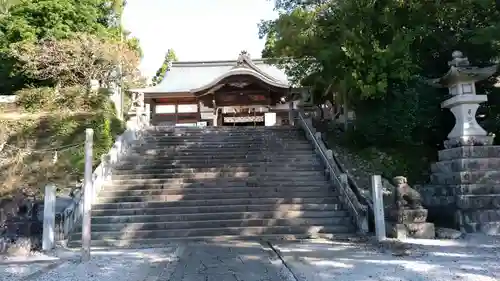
x=186 y=76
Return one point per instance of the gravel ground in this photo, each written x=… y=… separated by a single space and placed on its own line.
x=475 y=258
x=129 y=265
x=228 y=261
x=19 y=272
x=193 y=261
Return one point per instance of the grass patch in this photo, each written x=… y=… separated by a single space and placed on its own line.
x=412 y=162
x=38 y=149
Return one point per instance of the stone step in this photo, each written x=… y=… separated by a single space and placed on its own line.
x=252 y=145
x=481 y=216
x=161 y=242
x=268 y=215
x=469 y=152
x=271 y=138
x=226 y=136
x=488 y=228
x=217 y=202
x=227 y=173
x=202 y=148
x=226 y=131
x=151 y=169
x=219 y=159
x=177 y=225
x=477 y=202
x=461 y=189
x=216 y=183
x=250 y=191
x=273 y=175
x=468 y=177
x=224 y=153
x=221 y=129
x=221 y=182
x=227 y=231
x=222 y=210
x=214 y=196
x=207 y=167
x=466 y=164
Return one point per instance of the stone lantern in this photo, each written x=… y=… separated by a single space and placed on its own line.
x=464 y=187
x=464 y=102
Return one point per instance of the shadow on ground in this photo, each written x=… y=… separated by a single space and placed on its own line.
x=474 y=259
x=191 y=261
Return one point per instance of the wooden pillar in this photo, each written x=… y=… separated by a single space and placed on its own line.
x=152 y=111
x=291 y=116
x=215 y=120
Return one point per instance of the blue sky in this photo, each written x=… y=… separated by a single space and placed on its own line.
x=196 y=29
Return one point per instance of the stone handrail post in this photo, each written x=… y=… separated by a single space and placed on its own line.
x=87 y=195
x=49 y=217
x=378 y=207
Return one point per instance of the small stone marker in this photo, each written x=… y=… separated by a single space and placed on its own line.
x=378 y=206
x=87 y=196
x=49 y=217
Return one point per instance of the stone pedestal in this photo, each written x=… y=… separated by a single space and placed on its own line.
x=406 y=217
x=410 y=223
x=424 y=230
x=464 y=189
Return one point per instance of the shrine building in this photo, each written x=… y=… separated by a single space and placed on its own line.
x=240 y=92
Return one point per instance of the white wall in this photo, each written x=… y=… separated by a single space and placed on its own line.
x=8 y=99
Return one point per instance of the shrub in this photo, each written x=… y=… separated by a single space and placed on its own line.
x=36 y=99
x=92 y=110
x=74 y=98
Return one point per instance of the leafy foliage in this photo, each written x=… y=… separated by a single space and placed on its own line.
x=25 y=22
x=376 y=53
x=160 y=73
x=74 y=61
x=32 y=165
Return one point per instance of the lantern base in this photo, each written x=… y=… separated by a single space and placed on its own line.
x=468 y=141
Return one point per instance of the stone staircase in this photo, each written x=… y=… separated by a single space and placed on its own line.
x=241 y=182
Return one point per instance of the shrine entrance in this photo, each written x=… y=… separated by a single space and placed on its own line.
x=222 y=93
x=242 y=100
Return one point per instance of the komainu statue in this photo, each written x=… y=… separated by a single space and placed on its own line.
x=406 y=197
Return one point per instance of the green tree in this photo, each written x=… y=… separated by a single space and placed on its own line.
x=76 y=60
x=35 y=20
x=6 y=5
x=167 y=61
x=377 y=50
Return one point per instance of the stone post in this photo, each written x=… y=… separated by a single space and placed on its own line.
x=378 y=207
x=49 y=217
x=87 y=196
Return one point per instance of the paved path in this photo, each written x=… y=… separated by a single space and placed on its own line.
x=227 y=261
x=192 y=261
x=474 y=259
x=109 y=265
